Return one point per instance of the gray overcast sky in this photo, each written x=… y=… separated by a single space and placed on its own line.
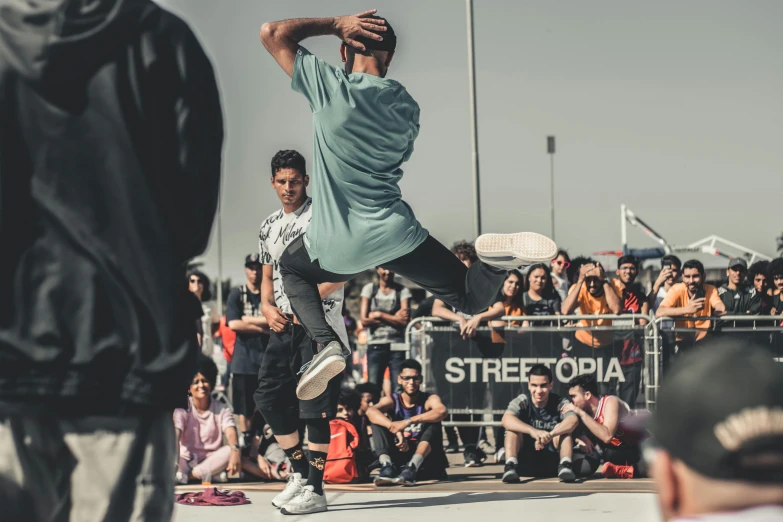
x=674 y=108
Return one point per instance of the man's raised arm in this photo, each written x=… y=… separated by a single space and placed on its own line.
x=282 y=38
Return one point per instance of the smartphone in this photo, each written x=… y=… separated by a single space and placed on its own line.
x=699 y=293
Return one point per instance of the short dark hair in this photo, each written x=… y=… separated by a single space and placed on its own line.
x=586 y=381
x=289 y=159
x=373 y=389
x=671 y=259
x=464 y=250
x=775 y=268
x=410 y=364
x=694 y=263
x=576 y=265
x=628 y=259
x=206 y=367
x=388 y=44
x=540 y=370
x=207 y=294
x=350 y=399
x=564 y=254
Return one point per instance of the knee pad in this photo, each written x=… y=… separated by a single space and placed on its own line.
x=318 y=431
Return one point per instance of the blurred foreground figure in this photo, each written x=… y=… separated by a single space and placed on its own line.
x=718 y=436
x=110 y=142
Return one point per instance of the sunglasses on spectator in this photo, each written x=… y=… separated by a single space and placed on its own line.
x=566 y=264
x=414 y=378
x=196 y=280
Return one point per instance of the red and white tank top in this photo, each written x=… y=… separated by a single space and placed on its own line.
x=622 y=435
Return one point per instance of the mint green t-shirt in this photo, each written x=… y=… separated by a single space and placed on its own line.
x=363 y=131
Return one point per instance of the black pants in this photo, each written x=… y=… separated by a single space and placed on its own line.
x=384 y=443
x=431 y=265
x=379 y=357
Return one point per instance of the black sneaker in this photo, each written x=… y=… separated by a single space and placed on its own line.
x=510 y=475
x=452 y=447
x=565 y=472
x=473 y=457
x=407 y=476
x=387 y=476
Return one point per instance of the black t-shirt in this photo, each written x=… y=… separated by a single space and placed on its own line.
x=248 y=348
x=549 y=305
x=425 y=308
x=759 y=303
x=545 y=418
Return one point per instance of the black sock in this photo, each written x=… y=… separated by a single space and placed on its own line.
x=317 y=465
x=298 y=461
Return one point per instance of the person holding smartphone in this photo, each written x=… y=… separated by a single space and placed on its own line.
x=691 y=298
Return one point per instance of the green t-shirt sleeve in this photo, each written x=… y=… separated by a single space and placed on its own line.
x=314 y=78
x=414 y=133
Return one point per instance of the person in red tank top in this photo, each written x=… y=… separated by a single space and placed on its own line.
x=607 y=420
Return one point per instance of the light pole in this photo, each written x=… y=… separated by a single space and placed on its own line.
x=473 y=123
x=550 y=147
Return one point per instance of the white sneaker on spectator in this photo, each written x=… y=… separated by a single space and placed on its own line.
x=181 y=478
x=325 y=364
x=222 y=478
x=510 y=251
x=292 y=489
x=500 y=456
x=308 y=501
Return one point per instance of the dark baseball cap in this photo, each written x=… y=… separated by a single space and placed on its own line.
x=252 y=259
x=720 y=412
x=737 y=261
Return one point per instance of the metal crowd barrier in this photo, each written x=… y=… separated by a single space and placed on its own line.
x=419 y=344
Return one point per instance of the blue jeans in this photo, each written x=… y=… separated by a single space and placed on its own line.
x=379 y=356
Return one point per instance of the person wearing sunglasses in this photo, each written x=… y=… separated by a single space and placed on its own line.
x=406 y=432
x=560 y=266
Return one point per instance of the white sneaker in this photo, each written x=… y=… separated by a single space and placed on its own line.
x=308 y=501
x=222 y=478
x=325 y=364
x=510 y=251
x=500 y=456
x=292 y=489
x=181 y=478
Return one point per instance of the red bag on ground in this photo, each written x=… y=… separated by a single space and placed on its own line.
x=341 y=464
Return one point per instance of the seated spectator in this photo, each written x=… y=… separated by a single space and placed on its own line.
x=342 y=465
x=560 y=280
x=605 y=418
x=691 y=298
x=200 y=429
x=369 y=395
x=592 y=294
x=539 y=440
x=628 y=345
x=671 y=268
x=760 y=302
x=266 y=459
x=406 y=432
x=385 y=310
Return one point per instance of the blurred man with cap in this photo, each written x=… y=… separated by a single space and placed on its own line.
x=717 y=451
x=735 y=294
x=243 y=315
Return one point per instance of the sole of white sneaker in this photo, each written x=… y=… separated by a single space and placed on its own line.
x=316 y=509
x=515 y=249
x=315 y=380
x=384 y=481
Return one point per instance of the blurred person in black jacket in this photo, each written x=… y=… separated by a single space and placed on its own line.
x=110 y=151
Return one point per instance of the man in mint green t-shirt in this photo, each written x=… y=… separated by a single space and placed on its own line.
x=364 y=126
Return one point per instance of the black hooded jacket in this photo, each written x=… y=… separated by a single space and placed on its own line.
x=110 y=151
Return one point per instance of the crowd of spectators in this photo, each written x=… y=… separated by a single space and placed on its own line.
x=373 y=423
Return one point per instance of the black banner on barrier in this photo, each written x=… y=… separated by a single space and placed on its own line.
x=486 y=373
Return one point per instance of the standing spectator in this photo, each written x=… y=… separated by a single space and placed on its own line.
x=243 y=314
x=593 y=295
x=385 y=310
x=200 y=428
x=628 y=345
x=775 y=275
x=734 y=294
x=671 y=268
x=691 y=298
x=510 y=297
x=560 y=266
x=200 y=286
x=541 y=297
x=760 y=302
x=719 y=458
x=110 y=157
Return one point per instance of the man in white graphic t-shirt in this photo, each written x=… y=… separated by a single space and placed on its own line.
x=290 y=349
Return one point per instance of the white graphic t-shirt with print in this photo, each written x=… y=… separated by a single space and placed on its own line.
x=277 y=232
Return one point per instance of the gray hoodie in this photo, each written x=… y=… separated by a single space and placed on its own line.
x=110 y=150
